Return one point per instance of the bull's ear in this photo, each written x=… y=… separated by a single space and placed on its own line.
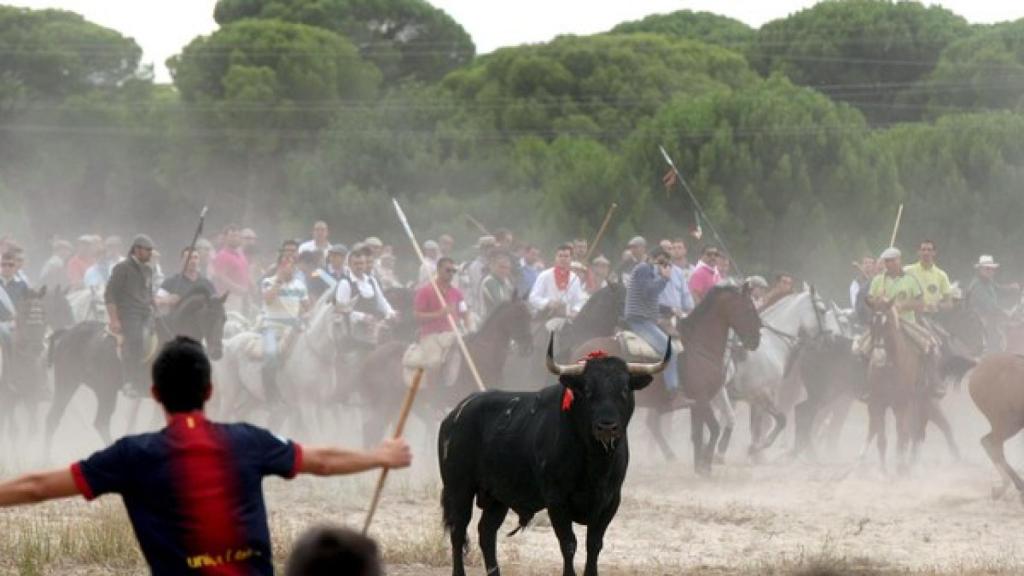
x=640 y=382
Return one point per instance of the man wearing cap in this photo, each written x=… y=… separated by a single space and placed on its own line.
x=325 y=278
x=558 y=293
x=705 y=275
x=983 y=299
x=894 y=285
x=129 y=301
x=320 y=241
x=98 y=274
x=637 y=249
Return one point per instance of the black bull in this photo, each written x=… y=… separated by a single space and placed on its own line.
x=563 y=448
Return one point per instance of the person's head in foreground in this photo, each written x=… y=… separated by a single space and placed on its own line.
x=333 y=550
x=193 y=490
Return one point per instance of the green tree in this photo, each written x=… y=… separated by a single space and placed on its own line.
x=864 y=52
x=984 y=70
x=701 y=26
x=406 y=39
x=598 y=86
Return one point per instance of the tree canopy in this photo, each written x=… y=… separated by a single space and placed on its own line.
x=701 y=26
x=405 y=39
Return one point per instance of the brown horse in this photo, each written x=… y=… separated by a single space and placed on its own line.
x=997 y=388
x=381 y=386
x=895 y=373
x=701 y=368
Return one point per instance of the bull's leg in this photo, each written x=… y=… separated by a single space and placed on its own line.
x=595 y=540
x=561 y=522
x=490 y=522
x=655 y=419
x=458 y=511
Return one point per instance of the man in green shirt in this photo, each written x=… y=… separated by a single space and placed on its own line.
x=936 y=292
x=894 y=285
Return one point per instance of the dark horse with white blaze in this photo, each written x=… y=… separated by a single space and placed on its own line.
x=380 y=377
x=87 y=354
x=563 y=448
x=701 y=366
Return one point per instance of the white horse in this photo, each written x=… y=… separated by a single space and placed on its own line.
x=87 y=304
x=306 y=376
x=759 y=376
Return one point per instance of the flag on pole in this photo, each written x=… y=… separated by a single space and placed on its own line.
x=669 y=180
x=696 y=231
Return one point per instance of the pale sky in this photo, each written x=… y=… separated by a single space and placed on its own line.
x=162 y=28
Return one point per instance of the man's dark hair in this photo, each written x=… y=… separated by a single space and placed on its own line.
x=310 y=257
x=328 y=551
x=710 y=248
x=181 y=375
x=562 y=247
x=290 y=242
x=780 y=275
x=444 y=260
x=929 y=242
x=659 y=251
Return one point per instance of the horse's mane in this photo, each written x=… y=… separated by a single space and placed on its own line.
x=707 y=304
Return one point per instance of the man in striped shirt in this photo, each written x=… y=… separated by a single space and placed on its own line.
x=646 y=283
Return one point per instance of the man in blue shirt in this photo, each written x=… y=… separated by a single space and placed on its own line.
x=193 y=490
x=646 y=283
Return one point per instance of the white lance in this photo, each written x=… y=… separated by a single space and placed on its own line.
x=440 y=297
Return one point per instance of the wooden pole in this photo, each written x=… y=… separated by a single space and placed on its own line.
x=440 y=298
x=410 y=396
x=896 y=227
x=600 y=233
x=476 y=223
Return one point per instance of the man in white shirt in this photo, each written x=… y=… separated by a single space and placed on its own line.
x=320 y=242
x=360 y=298
x=285 y=300
x=558 y=293
x=431 y=254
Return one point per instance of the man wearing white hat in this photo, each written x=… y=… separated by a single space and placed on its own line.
x=983 y=300
x=894 y=285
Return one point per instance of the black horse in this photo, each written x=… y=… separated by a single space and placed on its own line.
x=87 y=354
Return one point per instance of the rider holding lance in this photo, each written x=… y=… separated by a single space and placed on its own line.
x=129 y=301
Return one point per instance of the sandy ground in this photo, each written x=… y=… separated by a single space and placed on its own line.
x=779 y=517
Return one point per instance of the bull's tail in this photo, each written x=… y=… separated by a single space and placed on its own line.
x=51 y=345
x=524 y=521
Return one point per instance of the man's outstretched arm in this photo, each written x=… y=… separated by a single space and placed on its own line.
x=337 y=461
x=38 y=487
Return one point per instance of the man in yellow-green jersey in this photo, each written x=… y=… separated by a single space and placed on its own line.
x=936 y=292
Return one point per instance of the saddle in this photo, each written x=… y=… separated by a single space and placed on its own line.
x=439 y=358
x=151 y=344
x=636 y=347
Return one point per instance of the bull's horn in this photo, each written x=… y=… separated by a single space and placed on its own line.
x=557 y=369
x=638 y=369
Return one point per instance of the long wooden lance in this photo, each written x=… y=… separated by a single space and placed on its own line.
x=600 y=233
x=896 y=227
x=195 y=238
x=410 y=396
x=440 y=297
x=698 y=207
x=476 y=224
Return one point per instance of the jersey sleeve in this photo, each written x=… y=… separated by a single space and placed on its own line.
x=105 y=472
x=277 y=456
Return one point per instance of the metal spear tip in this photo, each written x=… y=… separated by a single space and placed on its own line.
x=205 y=210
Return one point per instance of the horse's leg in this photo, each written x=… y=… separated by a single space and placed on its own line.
x=106 y=402
x=839 y=411
x=778 y=425
x=654 y=422
x=63 y=390
x=713 y=432
x=723 y=405
x=936 y=415
x=993 y=445
x=697 y=435
x=803 y=415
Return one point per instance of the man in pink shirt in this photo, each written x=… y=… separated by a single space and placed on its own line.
x=436 y=335
x=705 y=275
x=231 y=270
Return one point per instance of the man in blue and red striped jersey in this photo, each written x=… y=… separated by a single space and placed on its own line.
x=193 y=490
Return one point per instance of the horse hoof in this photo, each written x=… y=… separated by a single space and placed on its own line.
x=719 y=458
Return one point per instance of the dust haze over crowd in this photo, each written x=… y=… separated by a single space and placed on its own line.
x=797 y=144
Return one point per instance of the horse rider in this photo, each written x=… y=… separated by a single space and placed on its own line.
x=319 y=243
x=497 y=287
x=325 y=279
x=360 y=299
x=176 y=287
x=782 y=285
x=758 y=290
x=600 y=268
x=285 y=302
x=936 y=296
x=431 y=252
x=895 y=285
x=81 y=260
x=472 y=275
x=12 y=290
x=636 y=252
x=98 y=274
x=230 y=270
x=675 y=301
x=54 y=270
x=129 y=301
x=646 y=284
x=705 y=274
x=983 y=298
x=436 y=336
x=558 y=293
x=867 y=268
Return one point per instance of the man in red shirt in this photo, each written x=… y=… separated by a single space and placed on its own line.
x=436 y=335
x=193 y=490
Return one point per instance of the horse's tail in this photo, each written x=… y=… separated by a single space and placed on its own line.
x=51 y=347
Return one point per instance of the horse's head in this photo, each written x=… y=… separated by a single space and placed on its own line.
x=512 y=317
x=58 y=308
x=884 y=319
x=30 y=323
x=740 y=313
x=816 y=320
x=201 y=315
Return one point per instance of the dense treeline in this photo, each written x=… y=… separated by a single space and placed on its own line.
x=800 y=138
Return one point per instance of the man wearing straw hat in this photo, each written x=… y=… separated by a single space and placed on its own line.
x=983 y=300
